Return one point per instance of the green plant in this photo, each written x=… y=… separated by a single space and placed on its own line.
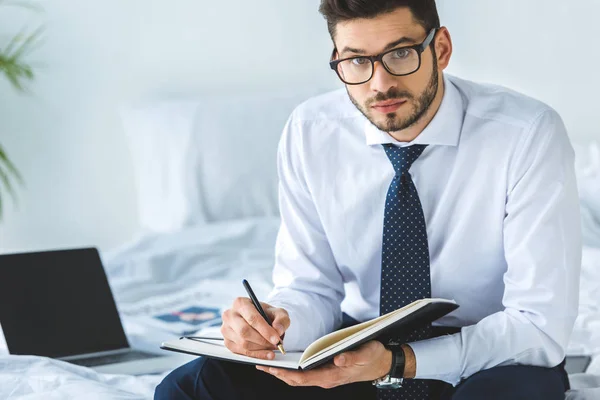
x=14 y=67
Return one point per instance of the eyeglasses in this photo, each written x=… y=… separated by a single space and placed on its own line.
x=398 y=62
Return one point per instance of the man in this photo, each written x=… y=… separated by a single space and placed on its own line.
x=461 y=191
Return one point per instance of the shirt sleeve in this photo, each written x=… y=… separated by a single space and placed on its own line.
x=542 y=247
x=307 y=282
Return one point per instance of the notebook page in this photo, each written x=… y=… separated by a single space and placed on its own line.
x=382 y=322
x=339 y=337
x=290 y=360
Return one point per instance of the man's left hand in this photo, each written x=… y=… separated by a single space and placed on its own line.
x=367 y=363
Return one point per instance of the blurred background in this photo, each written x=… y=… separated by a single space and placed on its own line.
x=67 y=136
x=150 y=131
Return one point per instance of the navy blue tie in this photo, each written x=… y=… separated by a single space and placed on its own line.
x=405 y=275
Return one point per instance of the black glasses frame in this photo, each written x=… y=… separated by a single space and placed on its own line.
x=420 y=48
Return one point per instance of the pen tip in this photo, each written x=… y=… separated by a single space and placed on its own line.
x=280 y=347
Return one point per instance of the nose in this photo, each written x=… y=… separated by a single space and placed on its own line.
x=382 y=80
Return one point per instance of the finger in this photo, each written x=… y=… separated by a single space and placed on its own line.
x=232 y=336
x=234 y=344
x=238 y=349
x=282 y=378
x=249 y=313
x=280 y=318
x=361 y=356
x=247 y=334
x=252 y=346
x=346 y=359
x=284 y=375
x=323 y=377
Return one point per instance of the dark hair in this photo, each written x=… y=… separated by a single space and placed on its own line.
x=336 y=11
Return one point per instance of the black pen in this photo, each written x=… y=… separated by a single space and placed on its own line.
x=260 y=310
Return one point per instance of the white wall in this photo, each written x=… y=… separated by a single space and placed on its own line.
x=67 y=140
x=544 y=48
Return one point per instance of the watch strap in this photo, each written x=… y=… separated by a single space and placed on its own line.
x=398 y=362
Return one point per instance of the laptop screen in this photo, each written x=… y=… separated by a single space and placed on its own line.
x=58 y=303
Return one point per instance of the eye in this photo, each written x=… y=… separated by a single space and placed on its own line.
x=360 y=61
x=401 y=54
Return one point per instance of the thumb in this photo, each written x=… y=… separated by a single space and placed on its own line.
x=280 y=318
x=345 y=359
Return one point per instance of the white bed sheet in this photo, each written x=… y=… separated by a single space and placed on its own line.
x=161 y=271
x=41 y=378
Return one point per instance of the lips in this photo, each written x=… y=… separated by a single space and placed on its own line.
x=388 y=106
x=388 y=103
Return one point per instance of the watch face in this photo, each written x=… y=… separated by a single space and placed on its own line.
x=387 y=382
x=388 y=385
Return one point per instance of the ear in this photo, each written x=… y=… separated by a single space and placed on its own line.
x=443 y=47
x=334 y=54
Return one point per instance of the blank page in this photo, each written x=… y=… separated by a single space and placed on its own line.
x=217 y=349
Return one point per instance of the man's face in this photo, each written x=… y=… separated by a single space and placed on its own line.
x=413 y=94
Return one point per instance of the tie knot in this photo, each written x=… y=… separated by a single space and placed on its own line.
x=402 y=158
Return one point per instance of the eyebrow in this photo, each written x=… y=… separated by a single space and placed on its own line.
x=389 y=46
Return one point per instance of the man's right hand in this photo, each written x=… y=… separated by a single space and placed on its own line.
x=246 y=332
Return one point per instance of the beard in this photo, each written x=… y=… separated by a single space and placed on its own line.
x=420 y=104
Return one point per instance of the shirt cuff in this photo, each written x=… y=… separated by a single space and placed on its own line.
x=438 y=358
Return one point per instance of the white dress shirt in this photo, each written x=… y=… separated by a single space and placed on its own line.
x=498 y=190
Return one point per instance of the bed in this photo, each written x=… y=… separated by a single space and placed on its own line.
x=198 y=239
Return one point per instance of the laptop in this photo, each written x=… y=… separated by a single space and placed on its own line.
x=59 y=304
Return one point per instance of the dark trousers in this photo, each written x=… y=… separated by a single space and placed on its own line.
x=210 y=379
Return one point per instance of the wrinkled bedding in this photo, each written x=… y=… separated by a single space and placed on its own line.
x=206 y=264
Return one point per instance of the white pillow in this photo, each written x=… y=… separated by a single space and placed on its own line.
x=163 y=152
x=208 y=158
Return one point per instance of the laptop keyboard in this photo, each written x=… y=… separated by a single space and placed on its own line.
x=113 y=358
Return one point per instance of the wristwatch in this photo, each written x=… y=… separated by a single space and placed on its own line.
x=394 y=378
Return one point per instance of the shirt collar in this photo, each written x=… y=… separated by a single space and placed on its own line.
x=444 y=128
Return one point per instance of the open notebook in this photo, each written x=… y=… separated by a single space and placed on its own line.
x=403 y=320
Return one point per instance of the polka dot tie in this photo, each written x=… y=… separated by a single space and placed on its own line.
x=405 y=258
